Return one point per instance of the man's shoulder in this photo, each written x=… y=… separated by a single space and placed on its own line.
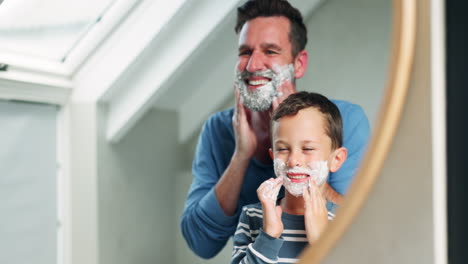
x=222 y=117
x=219 y=122
x=348 y=109
x=342 y=104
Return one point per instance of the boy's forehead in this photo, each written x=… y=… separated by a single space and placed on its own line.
x=309 y=117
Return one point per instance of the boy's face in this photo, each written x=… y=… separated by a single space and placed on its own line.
x=302 y=150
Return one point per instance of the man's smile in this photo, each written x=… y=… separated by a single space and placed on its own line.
x=256 y=81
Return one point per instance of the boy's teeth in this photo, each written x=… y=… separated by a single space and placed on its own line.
x=297 y=177
x=258 y=82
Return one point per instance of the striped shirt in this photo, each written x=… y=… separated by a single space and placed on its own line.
x=253 y=245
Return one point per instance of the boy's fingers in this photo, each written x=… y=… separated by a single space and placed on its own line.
x=305 y=193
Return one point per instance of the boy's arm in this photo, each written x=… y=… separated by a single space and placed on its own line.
x=250 y=247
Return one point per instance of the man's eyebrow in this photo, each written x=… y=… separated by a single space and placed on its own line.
x=244 y=47
x=270 y=46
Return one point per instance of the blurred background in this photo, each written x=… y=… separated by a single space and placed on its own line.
x=101 y=107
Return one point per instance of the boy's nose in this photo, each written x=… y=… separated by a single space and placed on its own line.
x=293 y=161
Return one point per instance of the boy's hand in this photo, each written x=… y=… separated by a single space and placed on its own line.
x=316 y=214
x=268 y=194
x=246 y=141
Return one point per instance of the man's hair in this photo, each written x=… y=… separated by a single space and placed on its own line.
x=302 y=100
x=269 y=8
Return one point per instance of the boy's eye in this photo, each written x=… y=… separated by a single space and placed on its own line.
x=308 y=149
x=281 y=149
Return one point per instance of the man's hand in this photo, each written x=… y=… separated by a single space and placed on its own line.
x=246 y=141
x=268 y=194
x=285 y=90
x=332 y=195
x=316 y=214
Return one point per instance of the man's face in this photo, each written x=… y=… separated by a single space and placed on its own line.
x=265 y=61
x=301 y=149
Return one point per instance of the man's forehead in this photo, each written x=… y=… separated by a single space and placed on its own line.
x=278 y=25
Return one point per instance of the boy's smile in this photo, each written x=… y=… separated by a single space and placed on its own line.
x=297 y=177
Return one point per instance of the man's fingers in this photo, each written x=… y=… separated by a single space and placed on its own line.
x=275 y=103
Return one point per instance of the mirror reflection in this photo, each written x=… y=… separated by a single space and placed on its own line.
x=238 y=153
x=164 y=146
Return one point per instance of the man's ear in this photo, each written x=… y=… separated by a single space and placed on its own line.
x=338 y=158
x=271 y=153
x=300 y=64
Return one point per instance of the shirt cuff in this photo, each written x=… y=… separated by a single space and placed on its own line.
x=212 y=209
x=267 y=245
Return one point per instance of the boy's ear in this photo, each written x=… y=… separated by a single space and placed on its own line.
x=339 y=157
x=271 y=153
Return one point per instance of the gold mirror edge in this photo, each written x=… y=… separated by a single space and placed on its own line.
x=401 y=61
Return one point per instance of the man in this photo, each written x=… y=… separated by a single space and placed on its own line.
x=232 y=159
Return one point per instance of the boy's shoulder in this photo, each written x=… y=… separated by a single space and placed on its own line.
x=252 y=216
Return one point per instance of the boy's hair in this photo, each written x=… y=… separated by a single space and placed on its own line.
x=301 y=100
x=269 y=8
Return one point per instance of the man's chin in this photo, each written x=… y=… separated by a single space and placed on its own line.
x=257 y=105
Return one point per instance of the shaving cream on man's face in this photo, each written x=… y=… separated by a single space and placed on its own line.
x=296 y=179
x=260 y=99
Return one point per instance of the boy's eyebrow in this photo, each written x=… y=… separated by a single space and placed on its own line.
x=279 y=141
x=309 y=141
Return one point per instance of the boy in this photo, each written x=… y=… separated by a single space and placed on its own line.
x=307 y=144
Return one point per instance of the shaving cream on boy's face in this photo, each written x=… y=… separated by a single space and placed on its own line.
x=260 y=98
x=296 y=179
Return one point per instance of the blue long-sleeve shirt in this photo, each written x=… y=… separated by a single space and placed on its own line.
x=204 y=225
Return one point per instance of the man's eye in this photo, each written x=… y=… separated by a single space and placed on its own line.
x=244 y=52
x=271 y=52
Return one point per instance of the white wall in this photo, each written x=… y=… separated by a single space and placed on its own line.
x=136 y=184
x=348 y=46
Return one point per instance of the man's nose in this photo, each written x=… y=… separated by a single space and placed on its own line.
x=255 y=62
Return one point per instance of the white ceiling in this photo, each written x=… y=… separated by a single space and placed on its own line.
x=179 y=55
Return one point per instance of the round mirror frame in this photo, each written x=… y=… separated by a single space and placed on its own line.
x=401 y=59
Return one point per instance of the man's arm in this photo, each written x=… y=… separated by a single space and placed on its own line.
x=210 y=216
x=204 y=225
x=229 y=185
x=332 y=195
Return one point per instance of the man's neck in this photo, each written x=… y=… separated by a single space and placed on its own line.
x=260 y=122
